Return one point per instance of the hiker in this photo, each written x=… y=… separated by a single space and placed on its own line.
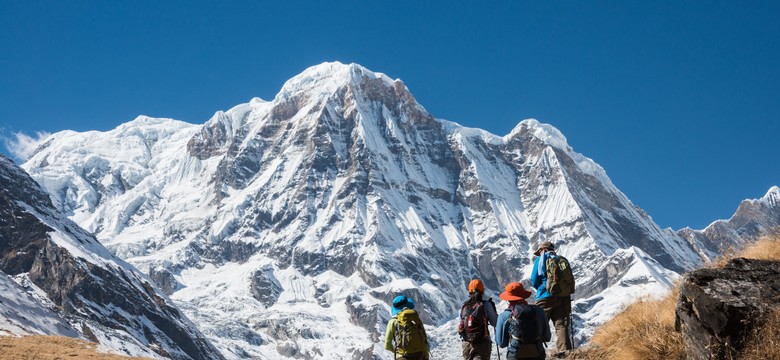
x=522 y=328
x=475 y=316
x=405 y=335
x=554 y=295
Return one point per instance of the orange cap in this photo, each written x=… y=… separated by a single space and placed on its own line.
x=476 y=285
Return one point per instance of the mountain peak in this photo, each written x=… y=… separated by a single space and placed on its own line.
x=328 y=77
x=772 y=196
x=545 y=132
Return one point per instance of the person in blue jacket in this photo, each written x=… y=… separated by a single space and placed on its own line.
x=516 y=295
x=557 y=309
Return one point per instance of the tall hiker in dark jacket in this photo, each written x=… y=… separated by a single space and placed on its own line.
x=475 y=316
x=522 y=328
x=556 y=303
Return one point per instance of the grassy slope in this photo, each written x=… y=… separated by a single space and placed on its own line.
x=38 y=347
x=645 y=330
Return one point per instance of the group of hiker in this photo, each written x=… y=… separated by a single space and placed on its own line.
x=522 y=328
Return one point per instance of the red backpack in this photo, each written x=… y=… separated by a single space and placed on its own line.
x=473 y=325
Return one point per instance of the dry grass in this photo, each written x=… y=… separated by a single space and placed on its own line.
x=645 y=330
x=764 y=342
x=40 y=347
x=766 y=248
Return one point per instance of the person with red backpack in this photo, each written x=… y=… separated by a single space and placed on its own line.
x=522 y=328
x=475 y=316
x=405 y=335
x=554 y=282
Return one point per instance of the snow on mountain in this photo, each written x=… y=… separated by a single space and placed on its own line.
x=23 y=313
x=283 y=228
x=754 y=218
x=57 y=279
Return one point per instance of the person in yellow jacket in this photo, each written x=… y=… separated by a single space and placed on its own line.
x=405 y=335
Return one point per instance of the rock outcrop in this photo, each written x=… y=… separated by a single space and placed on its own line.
x=718 y=307
x=98 y=295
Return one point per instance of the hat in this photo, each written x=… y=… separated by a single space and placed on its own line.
x=401 y=302
x=476 y=285
x=544 y=245
x=515 y=291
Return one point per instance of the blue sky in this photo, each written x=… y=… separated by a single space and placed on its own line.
x=678 y=101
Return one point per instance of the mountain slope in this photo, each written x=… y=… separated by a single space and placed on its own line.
x=754 y=218
x=283 y=227
x=66 y=283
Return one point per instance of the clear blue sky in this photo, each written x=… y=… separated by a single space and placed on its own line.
x=679 y=101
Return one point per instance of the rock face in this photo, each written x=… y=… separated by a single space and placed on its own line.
x=103 y=298
x=717 y=307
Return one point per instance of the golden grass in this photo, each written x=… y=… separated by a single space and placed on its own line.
x=764 y=342
x=645 y=329
x=39 y=347
x=766 y=248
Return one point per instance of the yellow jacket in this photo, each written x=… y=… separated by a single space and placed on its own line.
x=390 y=340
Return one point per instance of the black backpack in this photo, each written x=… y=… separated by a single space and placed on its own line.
x=525 y=340
x=473 y=325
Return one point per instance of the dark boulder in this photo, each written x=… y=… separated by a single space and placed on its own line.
x=717 y=308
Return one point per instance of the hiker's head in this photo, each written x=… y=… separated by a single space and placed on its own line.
x=544 y=246
x=515 y=291
x=476 y=286
x=402 y=302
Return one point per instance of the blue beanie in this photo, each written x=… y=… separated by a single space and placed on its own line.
x=401 y=302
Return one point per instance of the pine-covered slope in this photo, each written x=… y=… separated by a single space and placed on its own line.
x=284 y=227
x=57 y=279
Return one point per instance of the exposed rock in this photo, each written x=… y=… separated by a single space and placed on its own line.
x=88 y=286
x=164 y=280
x=264 y=287
x=366 y=316
x=717 y=307
x=209 y=141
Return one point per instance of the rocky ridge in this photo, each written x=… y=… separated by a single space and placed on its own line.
x=59 y=280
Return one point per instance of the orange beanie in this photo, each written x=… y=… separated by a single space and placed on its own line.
x=476 y=285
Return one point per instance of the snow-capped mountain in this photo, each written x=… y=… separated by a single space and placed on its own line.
x=284 y=227
x=57 y=279
x=753 y=218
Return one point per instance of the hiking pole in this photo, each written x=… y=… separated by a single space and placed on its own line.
x=570 y=324
x=498 y=351
x=571 y=330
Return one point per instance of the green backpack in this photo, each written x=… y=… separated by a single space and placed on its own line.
x=560 y=279
x=409 y=333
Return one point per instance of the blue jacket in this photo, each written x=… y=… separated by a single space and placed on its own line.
x=539 y=277
x=502 y=328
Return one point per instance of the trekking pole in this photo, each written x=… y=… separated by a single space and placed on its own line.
x=571 y=330
x=570 y=324
x=498 y=351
